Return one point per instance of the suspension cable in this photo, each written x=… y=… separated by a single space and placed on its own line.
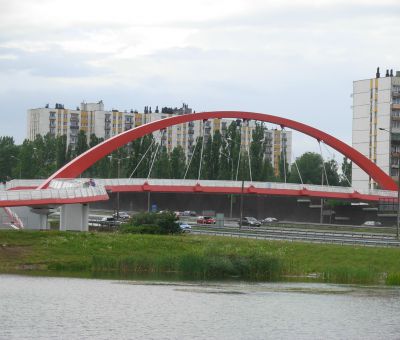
x=240 y=152
x=155 y=156
x=344 y=173
x=144 y=155
x=323 y=163
x=201 y=152
x=248 y=153
x=284 y=155
x=345 y=167
x=190 y=161
x=237 y=168
x=298 y=171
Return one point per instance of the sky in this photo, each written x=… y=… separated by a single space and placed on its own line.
x=296 y=59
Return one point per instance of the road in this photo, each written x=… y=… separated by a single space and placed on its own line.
x=290 y=234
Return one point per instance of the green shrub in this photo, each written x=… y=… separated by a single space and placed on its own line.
x=393 y=279
x=350 y=275
x=165 y=222
x=143 y=229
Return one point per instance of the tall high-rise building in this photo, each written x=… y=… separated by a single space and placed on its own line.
x=93 y=119
x=376 y=125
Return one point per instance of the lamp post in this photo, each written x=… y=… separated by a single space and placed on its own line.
x=19 y=165
x=241 y=168
x=231 y=203
x=398 y=190
x=118 y=175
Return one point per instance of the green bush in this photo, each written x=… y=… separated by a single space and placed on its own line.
x=152 y=223
x=143 y=229
x=393 y=279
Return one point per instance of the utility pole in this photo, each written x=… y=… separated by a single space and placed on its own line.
x=398 y=189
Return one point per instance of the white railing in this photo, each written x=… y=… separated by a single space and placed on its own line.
x=238 y=184
x=15 y=183
x=77 y=188
x=70 y=193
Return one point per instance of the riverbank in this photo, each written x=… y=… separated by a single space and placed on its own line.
x=193 y=257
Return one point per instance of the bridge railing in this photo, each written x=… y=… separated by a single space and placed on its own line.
x=238 y=184
x=33 y=195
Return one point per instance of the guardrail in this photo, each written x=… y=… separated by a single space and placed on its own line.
x=304 y=238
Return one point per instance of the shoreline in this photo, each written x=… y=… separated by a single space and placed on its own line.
x=192 y=258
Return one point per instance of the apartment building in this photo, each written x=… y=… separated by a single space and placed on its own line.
x=93 y=119
x=376 y=125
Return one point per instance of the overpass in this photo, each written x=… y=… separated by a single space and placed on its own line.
x=74 y=195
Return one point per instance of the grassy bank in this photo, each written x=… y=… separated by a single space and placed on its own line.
x=193 y=257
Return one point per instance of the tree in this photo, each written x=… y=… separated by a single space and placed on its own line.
x=81 y=144
x=8 y=164
x=61 y=151
x=345 y=177
x=162 y=167
x=193 y=170
x=267 y=171
x=207 y=166
x=310 y=167
x=178 y=162
x=257 y=152
x=331 y=168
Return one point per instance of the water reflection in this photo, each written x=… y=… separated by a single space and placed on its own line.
x=47 y=308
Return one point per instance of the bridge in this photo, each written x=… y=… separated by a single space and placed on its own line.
x=67 y=191
x=59 y=188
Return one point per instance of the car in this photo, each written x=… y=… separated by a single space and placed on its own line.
x=269 y=220
x=109 y=220
x=123 y=215
x=205 y=220
x=185 y=227
x=372 y=223
x=189 y=213
x=251 y=222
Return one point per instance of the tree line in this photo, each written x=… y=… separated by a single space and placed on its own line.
x=222 y=159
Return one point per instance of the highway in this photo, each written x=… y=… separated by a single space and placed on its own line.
x=290 y=234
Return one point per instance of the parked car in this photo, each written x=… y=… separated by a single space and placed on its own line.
x=372 y=223
x=123 y=215
x=251 y=222
x=205 y=220
x=185 y=227
x=269 y=220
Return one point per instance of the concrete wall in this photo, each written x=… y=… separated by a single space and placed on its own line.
x=284 y=208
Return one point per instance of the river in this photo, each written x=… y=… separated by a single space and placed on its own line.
x=68 y=308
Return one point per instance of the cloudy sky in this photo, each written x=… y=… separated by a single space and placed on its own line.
x=290 y=58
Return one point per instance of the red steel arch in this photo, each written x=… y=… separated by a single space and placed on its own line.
x=88 y=158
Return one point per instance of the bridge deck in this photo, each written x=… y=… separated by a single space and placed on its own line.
x=64 y=191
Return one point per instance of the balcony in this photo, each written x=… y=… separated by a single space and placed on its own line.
x=396 y=106
x=396 y=93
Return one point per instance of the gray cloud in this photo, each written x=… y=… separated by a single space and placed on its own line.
x=49 y=63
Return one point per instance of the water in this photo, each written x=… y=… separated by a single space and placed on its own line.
x=65 y=308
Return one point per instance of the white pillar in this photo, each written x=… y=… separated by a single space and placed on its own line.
x=33 y=218
x=74 y=217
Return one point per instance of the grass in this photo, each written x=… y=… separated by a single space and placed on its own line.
x=193 y=257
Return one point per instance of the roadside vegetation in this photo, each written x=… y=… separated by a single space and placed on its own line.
x=124 y=255
x=152 y=223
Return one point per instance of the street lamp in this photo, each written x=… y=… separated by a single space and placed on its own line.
x=231 y=203
x=118 y=175
x=398 y=189
x=241 y=192
x=19 y=165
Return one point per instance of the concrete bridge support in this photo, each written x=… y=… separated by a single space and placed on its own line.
x=33 y=218
x=74 y=217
